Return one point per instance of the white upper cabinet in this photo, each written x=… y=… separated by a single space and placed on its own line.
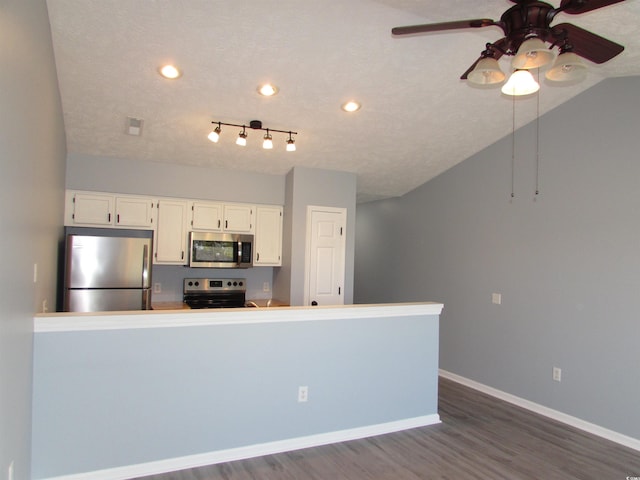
x=91 y=209
x=268 y=236
x=170 y=241
x=96 y=209
x=171 y=219
x=206 y=216
x=238 y=218
x=134 y=212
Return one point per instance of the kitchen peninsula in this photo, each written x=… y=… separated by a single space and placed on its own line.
x=126 y=394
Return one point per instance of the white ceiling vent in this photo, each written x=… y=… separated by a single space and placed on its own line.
x=134 y=126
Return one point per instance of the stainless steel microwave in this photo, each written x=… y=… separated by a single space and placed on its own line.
x=220 y=250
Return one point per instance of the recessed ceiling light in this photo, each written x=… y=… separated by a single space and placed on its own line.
x=170 y=72
x=351 y=106
x=267 y=90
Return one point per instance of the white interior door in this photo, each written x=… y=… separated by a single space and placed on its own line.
x=326 y=233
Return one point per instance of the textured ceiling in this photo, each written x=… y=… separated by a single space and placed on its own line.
x=418 y=119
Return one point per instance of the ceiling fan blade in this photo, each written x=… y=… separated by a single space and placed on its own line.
x=437 y=27
x=495 y=53
x=581 y=6
x=589 y=45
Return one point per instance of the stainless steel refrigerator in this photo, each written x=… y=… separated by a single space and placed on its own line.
x=107 y=270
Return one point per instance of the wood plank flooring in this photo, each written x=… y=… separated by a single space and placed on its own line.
x=480 y=438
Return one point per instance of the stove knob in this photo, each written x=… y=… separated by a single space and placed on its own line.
x=235 y=284
x=190 y=284
x=228 y=284
x=197 y=284
x=240 y=283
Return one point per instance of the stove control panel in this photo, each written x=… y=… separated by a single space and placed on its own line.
x=214 y=284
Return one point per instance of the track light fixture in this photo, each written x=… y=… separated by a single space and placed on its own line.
x=267 y=143
x=214 y=135
x=291 y=144
x=242 y=138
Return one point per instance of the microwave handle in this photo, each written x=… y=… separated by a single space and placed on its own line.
x=239 y=252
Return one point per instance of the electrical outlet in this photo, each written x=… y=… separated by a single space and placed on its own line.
x=266 y=287
x=45 y=307
x=10 y=471
x=303 y=394
x=496 y=298
x=35 y=273
x=557 y=374
x=157 y=288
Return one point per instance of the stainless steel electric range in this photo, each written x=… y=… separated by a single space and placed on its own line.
x=214 y=292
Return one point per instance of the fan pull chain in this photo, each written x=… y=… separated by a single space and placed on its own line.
x=513 y=147
x=537 y=141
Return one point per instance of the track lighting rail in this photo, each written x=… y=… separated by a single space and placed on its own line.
x=255 y=125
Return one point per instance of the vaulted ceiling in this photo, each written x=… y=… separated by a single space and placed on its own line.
x=417 y=118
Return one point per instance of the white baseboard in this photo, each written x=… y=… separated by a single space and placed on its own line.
x=578 y=423
x=229 y=455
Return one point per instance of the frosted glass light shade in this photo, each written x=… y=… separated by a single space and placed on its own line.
x=567 y=67
x=214 y=135
x=486 y=72
x=521 y=82
x=533 y=53
x=242 y=140
x=267 y=144
x=291 y=145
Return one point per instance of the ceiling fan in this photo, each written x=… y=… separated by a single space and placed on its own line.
x=527 y=29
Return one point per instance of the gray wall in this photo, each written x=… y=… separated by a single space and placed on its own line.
x=32 y=159
x=117 y=398
x=567 y=263
x=107 y=174
x=304 y=187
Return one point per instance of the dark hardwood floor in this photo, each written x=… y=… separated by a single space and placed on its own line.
x=480 y=437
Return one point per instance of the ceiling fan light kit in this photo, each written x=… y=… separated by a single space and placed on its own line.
x=533 y=53
x=487 y=72
x=568 y=67
x=521 y=82
x=527 y=29
x=267 y=143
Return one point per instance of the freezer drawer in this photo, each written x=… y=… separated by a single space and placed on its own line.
x=96 y=300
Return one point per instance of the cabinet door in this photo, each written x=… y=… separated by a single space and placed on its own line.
x=206 y=216
x=238 y=218
x=92 y=209
x=134 y=212
x=171 y=233
x=268 y=236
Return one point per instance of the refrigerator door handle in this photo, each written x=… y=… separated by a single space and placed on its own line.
x=145 y=266
x=146 y=299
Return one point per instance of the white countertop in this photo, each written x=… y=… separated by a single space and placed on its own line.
x=69 y=322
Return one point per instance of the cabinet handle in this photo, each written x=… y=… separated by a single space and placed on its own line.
x=258 y=256
x=226 y=224
x=182 y=255
x=109 y=218
x=118 y=218
x=218 y=223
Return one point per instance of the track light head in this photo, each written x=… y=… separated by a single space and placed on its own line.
x=214 y=135
x=267 y=144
